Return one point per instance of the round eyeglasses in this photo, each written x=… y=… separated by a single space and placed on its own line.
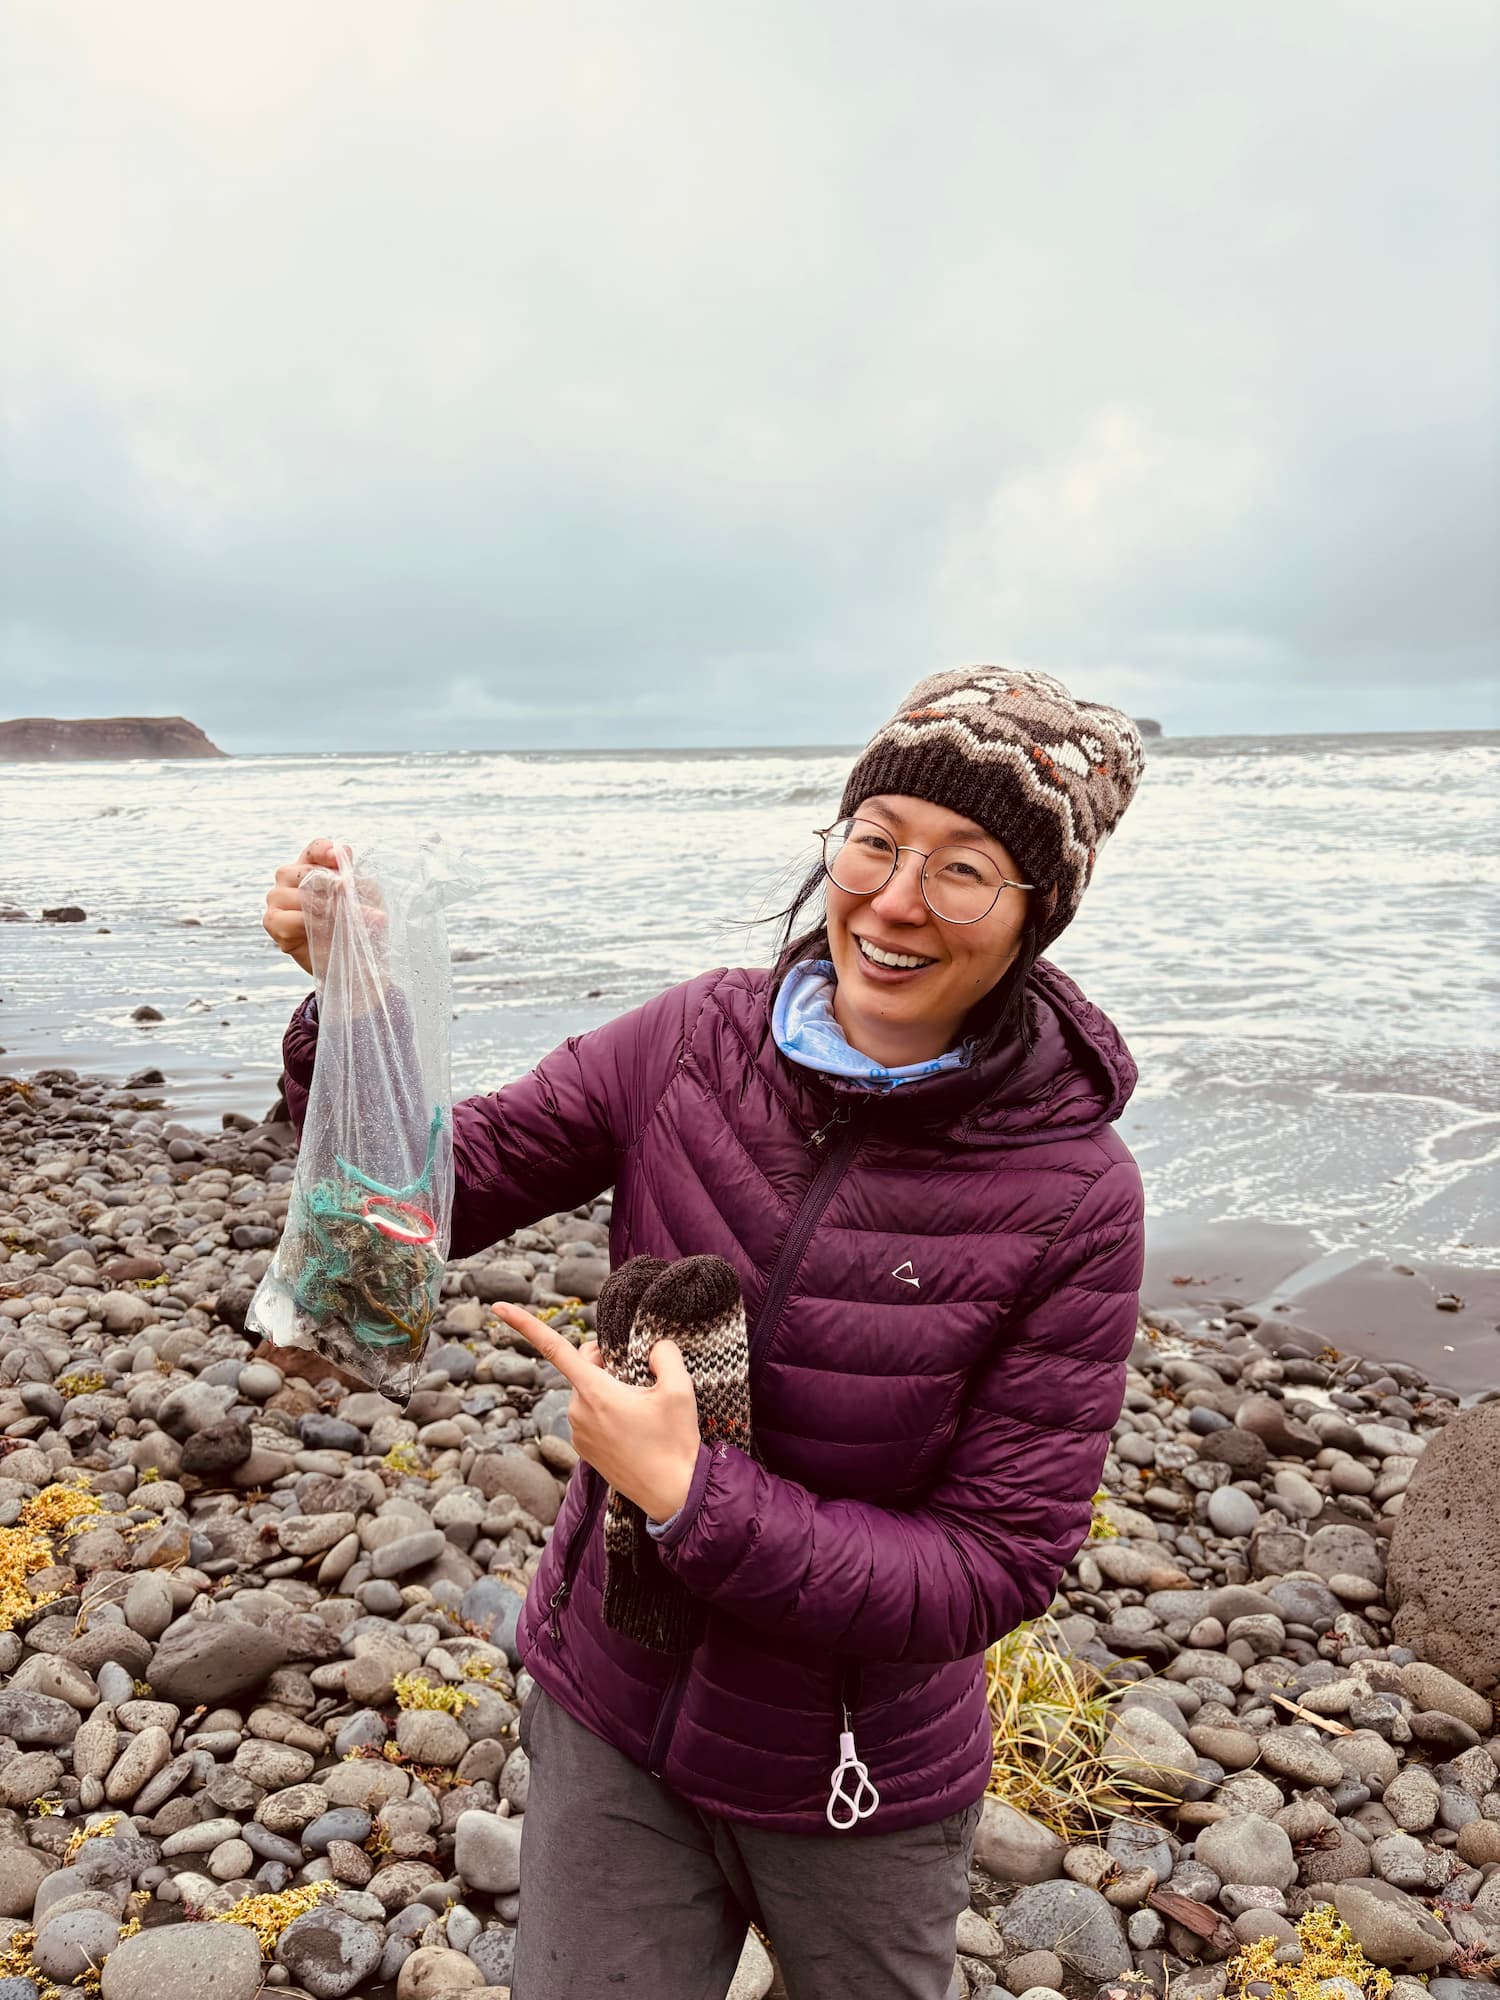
x=960 y=885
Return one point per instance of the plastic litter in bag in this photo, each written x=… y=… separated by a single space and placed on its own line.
x=359 y=1269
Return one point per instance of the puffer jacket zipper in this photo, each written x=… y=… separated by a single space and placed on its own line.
x=831 y=1170
x=664 y=1727
x=573 y=1554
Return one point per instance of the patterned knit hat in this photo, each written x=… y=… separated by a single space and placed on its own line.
x=1011 y=749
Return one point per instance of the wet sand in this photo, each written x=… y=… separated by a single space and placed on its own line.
x=1356 y=1300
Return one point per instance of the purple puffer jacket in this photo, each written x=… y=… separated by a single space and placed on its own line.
x=941 y=1285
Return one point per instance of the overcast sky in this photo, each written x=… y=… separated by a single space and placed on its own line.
x=490 y=373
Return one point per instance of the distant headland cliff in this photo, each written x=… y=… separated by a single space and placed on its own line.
x=34 y=739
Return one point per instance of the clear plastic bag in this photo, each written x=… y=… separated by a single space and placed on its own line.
x=359 y=1268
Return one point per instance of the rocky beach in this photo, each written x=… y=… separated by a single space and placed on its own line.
x=258 y=1686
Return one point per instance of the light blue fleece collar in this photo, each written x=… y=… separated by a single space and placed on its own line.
x=805 y=1030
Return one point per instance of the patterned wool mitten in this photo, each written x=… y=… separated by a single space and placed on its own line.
x=697 y=1304
x=626 y=1544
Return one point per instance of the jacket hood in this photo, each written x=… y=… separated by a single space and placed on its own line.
x=1077 y=1076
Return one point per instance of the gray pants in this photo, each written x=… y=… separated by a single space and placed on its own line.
x=625 y=1886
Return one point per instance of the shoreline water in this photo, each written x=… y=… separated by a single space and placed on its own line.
x=1263 y=938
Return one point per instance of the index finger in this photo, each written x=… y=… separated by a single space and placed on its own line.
x=548 y=1342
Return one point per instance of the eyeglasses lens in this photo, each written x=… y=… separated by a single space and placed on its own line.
x=960 y=883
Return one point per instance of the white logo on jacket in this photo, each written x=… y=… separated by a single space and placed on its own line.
x=905 y=1275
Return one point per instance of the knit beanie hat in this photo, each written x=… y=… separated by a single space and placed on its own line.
x=1012 y=750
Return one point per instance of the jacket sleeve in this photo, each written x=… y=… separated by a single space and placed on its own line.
x=986 y=1547
x=554 y=1138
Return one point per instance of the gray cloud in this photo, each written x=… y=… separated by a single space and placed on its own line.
x=387 y=373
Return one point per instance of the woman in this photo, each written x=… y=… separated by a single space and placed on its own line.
x=900 y=1140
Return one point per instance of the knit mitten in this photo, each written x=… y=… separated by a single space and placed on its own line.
x=626 y=1543
x=697 y=1304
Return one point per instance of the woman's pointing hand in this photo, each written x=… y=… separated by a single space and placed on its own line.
x=643 y=1442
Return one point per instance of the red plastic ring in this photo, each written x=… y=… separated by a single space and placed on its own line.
x=421 y=1229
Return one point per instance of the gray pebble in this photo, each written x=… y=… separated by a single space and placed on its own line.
x=349 y=1823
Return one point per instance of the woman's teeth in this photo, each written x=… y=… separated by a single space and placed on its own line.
x=903 y=961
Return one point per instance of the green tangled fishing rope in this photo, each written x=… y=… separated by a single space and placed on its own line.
x=363 y=1254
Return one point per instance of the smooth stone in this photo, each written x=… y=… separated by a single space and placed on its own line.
x=429 y=1736
x=1010 y=1846
x=1144 y=1749
x=289 y=1811
x=1232 y=1512
x=364 y=1730
x=74 y=1942
x=210 y=1660
x=1479 y=1843
x=1402 y=1860
x=27 y=1778
x=1073 y=1921
x=435 y=1969
x=275 y=1767
x=513 y=1473
x=142 y=1758
x=1413 y=1798
x=1140 y=1844
x=314 y=1534
x=271 y=1846
x=30 y=1717
x=493 y=1607
x=487 y=1852
x=148 y=1605
x=200 y=1838
x=231 y=1860
x=409 y=1552
x=349 y=1823
x=494 y=1952
x=1235 y=1749
x=208 y=1961
x=1291 y=1754
x=401 y=1882
x=1235 y=1898
x=1392 y=1928
x=329 y=1952
x=1248 y=1849
x=1428 y=1687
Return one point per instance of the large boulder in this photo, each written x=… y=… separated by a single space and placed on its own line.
x=1443 y=1567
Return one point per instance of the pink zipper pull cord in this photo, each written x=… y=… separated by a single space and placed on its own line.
x=849 y=1803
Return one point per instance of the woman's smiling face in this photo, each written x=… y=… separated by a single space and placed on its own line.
x=907 y=1014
